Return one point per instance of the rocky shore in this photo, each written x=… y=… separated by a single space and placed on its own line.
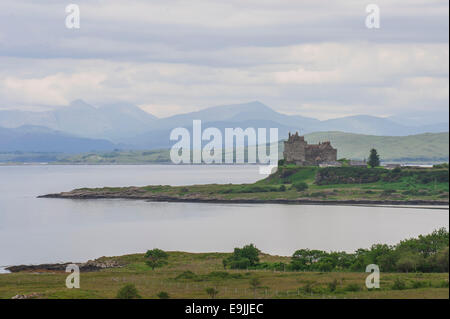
x=91 y=265
x=138 y=193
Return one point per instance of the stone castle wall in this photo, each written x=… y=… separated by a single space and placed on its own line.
x=299 y=152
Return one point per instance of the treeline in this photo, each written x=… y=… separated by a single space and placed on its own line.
x=429 y=253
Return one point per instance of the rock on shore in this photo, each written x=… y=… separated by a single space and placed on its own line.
x=91 y=265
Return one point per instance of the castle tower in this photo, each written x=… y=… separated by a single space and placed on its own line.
x=294 y=149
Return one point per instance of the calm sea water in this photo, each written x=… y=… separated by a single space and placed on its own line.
x=36 y=230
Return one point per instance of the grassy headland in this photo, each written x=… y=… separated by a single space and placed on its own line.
x=414 y=268
x=294 y=184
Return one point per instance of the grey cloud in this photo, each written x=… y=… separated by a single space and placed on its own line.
x=298 y=56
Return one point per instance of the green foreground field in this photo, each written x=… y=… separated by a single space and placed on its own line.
x=188 y=275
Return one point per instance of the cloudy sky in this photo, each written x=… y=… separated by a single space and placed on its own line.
x=312 y=58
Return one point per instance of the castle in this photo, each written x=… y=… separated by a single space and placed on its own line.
x=297 y=151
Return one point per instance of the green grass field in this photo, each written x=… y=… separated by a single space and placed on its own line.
x=187 y=275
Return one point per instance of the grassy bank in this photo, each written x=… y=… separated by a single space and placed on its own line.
x=188 y=275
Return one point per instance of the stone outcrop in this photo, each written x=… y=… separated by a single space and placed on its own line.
x=91 y=265
x=298 y=151
x=29 y=296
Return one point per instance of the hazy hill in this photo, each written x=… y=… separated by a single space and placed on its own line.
x=125 y=123
x=79 y=118
x=236 y=113
x=42 y=139
x=421 y=147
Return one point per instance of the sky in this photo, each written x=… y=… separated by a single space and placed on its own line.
x=306 y=57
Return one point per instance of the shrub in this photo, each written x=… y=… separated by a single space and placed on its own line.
x=443 y=284
x=128 y=291
x=300 y=186
x=353 y=287
x=318 y=194
x=308 y=287
x=240 y=263
x=255 y=283
x=186 y=275
x=420 y=284
x=163 y=295
x=399 y=284
x=223 y=275
x=332 y=285
x=388 y=192
x=282 y=188
x=212 y=292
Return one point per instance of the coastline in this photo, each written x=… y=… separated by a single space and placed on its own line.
x=300 y=201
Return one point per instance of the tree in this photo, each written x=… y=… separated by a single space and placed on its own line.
x=255 y=283
x=128 y=291
x=408 y=262
x=212 y=292
x=374 y=158
x=156 y=258
x=243 y=258
x=442 y=260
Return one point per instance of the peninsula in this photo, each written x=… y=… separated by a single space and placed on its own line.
x=294 y=184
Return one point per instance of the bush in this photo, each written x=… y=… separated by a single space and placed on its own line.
x=332 y=285
x=420 y=284
x=388 y=192
x=282 y=188
x=163 y=295
x=399 y=284
x=186 y=275
x=214 y=275
x=353 y=287
x=443 y=284
x=308 y=287
x=240 y=263
x=300 y=186
x=212 y=292
x=128 y=291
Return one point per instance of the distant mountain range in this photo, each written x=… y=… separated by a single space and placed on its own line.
x=80 y=126
x=41 y=139
x=421 y=148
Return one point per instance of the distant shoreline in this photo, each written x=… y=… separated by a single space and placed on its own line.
x=366 y=203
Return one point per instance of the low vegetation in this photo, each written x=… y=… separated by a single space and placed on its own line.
x=306 y=274
x=429 y=253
